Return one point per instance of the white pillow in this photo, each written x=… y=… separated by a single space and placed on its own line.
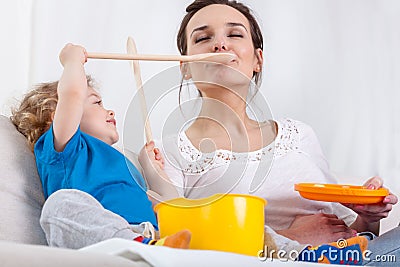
x=21 y=195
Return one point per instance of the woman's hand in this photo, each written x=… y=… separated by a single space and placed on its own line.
x=370 y=215
x=374 y=212
x=317 y=229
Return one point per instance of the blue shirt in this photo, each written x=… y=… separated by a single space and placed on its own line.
x=90 y=165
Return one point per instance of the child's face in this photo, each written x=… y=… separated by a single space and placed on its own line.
x=97 y=121
x=221 y=28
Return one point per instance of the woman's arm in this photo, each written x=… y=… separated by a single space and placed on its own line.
x=72 y=92
x=317 y=229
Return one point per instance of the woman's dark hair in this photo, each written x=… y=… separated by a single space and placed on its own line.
x=192 y=9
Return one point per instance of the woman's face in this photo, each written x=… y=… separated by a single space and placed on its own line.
x=221 y=28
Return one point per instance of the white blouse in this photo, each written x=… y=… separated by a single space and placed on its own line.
x=295 y=156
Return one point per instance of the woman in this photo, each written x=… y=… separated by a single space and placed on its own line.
x=202 y=160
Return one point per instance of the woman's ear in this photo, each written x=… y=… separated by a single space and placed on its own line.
x=258 y=60
x=185 y=70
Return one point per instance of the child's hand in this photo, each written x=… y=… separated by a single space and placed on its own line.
x=73 y=53
x=160 y=186
x=150 y=155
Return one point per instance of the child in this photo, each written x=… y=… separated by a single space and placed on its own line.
x=93 y=192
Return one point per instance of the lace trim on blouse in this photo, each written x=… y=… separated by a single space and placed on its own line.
x=196 y=162
x=288 y=137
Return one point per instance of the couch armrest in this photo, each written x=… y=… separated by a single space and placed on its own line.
x=22 y=255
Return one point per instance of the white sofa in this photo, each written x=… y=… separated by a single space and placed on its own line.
x=22 y=241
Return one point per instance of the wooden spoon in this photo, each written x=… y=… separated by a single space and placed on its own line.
x=131 y=50
x=209 y=57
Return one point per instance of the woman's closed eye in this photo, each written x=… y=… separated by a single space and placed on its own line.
x=99 y=102
x=201 y=39
x=237 y=35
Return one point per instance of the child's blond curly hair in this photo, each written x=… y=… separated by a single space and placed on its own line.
x=35 y=113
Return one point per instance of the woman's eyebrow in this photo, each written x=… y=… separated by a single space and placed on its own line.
x=236 y=24
x=201 y=28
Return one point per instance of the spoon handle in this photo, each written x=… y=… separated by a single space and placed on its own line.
x=138 y=57
x=131 y=50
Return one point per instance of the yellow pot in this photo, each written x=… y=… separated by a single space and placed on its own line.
x=226 y=222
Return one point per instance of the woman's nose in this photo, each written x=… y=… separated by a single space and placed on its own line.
x=220 y=45
x=111 y=113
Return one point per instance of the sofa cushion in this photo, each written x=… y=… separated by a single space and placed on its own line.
x=21 y=195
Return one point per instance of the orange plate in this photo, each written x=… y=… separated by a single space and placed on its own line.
x=341 y=193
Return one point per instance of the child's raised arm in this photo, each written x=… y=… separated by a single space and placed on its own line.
x=72 y=91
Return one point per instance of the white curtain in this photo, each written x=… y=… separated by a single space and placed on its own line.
x=15 y=52
x=333 y=64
